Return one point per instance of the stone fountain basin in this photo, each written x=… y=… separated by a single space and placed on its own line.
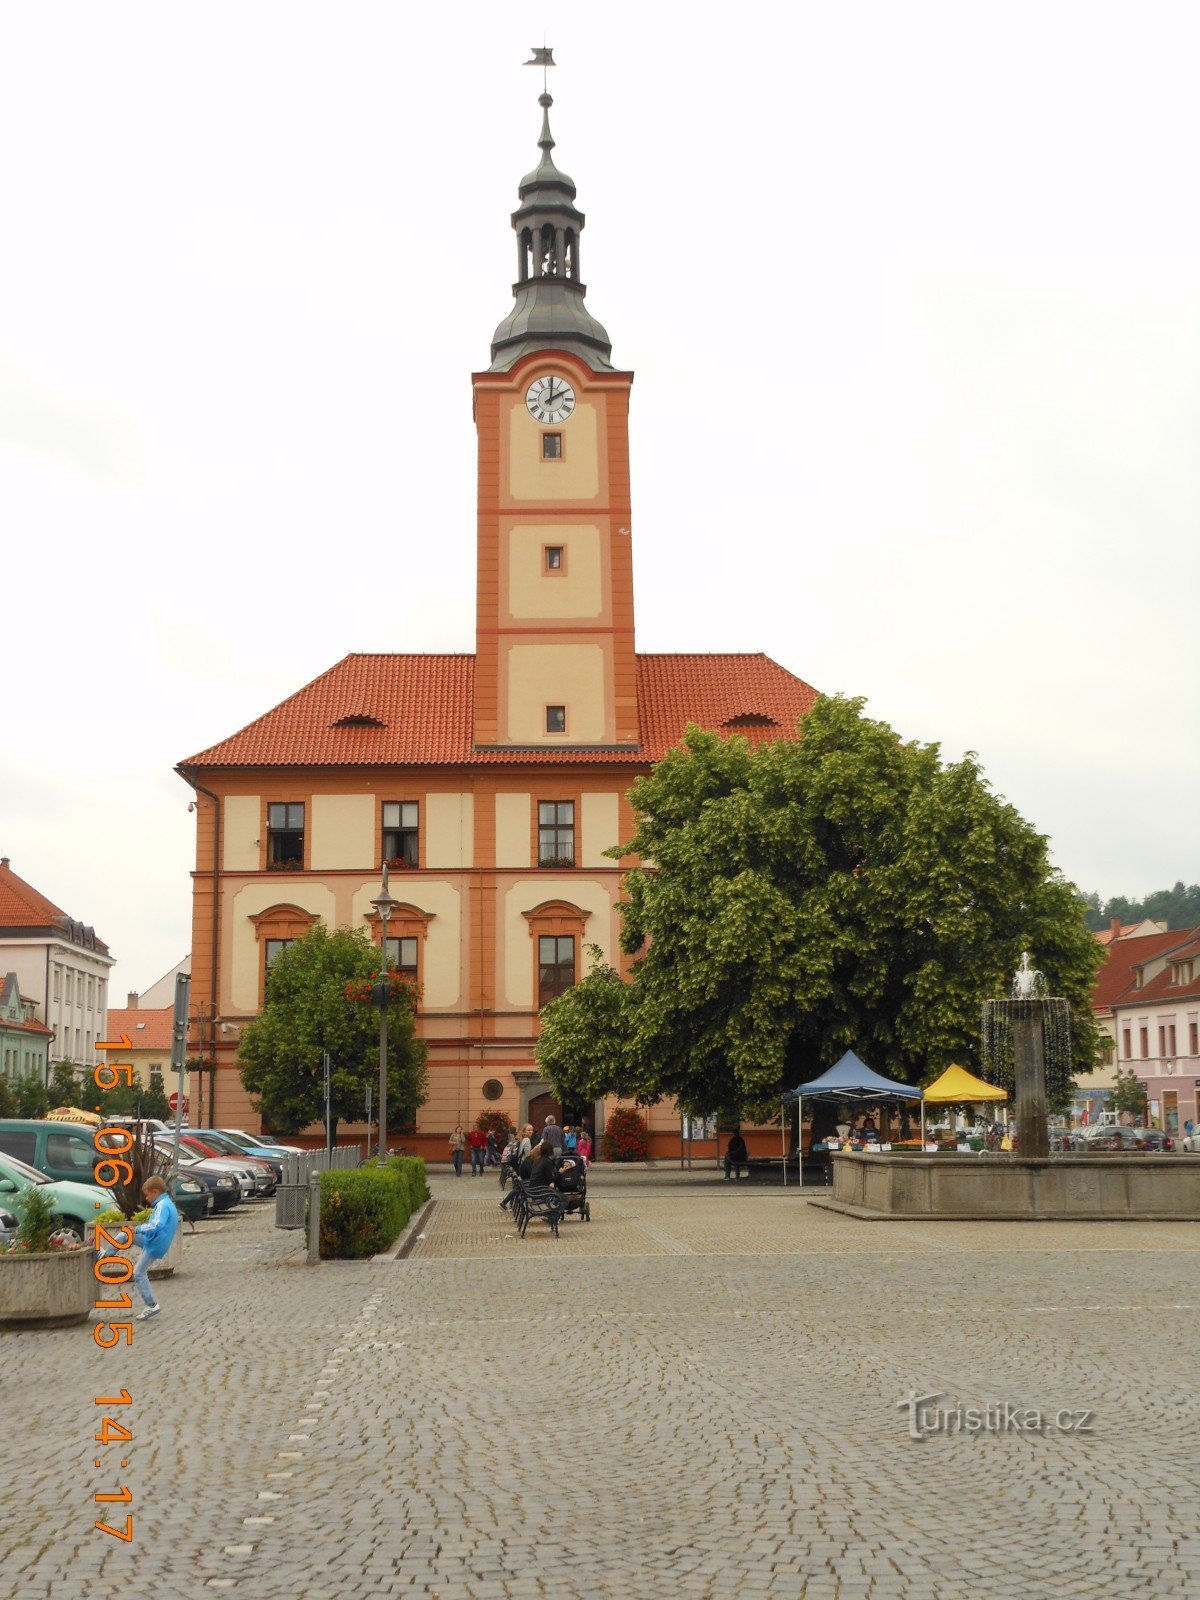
x=1104 y=1187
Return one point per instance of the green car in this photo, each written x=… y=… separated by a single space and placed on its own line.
x=77 y=1205
x=192 y=1199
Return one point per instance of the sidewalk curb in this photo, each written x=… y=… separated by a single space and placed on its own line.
x=398 y=1251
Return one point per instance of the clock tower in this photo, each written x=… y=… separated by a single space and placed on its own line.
x=554 y=662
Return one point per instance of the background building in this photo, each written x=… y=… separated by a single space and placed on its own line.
x=24 y=1041
x=492 y=784
x=1147 y=1000
x=61 y=965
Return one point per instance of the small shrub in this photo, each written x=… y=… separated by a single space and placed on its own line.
x=363 y=1212
x=497 y=1122
x=38 y=1230
x=626 y=1136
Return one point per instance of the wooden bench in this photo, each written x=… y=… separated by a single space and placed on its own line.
x=529 y=1202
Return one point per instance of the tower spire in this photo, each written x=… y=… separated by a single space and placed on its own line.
x=549 y=313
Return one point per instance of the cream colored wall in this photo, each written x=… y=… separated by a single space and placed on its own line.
x=524 y=895
x=343 y=831
x=441 y=964
x=556 y=674
x=600 y=822
x=240 y=822
x=314 y=898
x=575 y=477
x=449 y=830
x=576 y=591
x=513 y=825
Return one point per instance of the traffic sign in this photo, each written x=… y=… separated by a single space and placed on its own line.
x=173 y=1102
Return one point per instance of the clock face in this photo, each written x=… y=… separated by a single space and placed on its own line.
x=550 y=399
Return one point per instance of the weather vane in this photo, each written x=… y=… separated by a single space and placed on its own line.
x=543 y=56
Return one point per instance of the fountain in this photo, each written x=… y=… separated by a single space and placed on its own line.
x=1026 y=1049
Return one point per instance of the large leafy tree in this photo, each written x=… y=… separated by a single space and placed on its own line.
x=846 y=890
x=306 y=1012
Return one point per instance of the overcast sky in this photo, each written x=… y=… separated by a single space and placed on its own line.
x=913 y=298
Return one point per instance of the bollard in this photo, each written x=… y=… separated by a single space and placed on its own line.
x=314 y=1218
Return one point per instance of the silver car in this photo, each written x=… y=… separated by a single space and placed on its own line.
x=242 y=1175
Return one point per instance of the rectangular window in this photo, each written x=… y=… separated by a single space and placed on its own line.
x=402 y=953
x=1127 y=1044
x=70 y=987
x=1193 y=1038
x=401 y=833
x=1162 y=1040
x=91 y=995
x=554 y=557
x=552 y=447
x=274 y=946
x=1170 y=1038
x=556 y=966
x=285 y=836
x=556 y=833
x=556 y=719
x=57 y=982
x=1144 y=1041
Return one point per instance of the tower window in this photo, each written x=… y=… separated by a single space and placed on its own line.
x=555 y=561
x=552 y=447
x=556 y=719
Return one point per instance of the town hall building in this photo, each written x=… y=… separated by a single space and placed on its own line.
x=492 y=784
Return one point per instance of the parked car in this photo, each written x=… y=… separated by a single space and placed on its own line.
x=8 y=1226
x=234 y=1169
x=76 y=1205
x=154 y=1124
x=222 y=1187
x=62 y=1150
x=191 y=1197
x=1191 y=1142
x=225 y=1144
x=1154 y=1139
x=262 y=1141
x=1111 y=1136
x=214 y=1145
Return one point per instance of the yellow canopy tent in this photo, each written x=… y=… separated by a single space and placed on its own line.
x=89 y=1119
x=956 y=1086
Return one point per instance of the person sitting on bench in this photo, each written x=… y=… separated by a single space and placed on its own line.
x=736 y=1155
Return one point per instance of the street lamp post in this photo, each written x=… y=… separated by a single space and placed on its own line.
x=384 y=904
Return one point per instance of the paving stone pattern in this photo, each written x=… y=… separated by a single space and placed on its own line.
x=693 y=1395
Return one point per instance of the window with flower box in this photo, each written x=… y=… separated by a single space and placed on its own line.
x=402 y=954
x=401 y=833
x=285 y=836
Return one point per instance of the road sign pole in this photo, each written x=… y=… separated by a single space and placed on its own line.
x=325 y=1063
x=179 y=1028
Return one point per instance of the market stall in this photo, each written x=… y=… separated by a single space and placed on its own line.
x=955 y=1087
x=847 y=1082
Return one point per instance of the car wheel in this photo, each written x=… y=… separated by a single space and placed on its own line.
x=74 y=1226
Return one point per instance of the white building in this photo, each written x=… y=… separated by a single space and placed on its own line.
x=61 y=965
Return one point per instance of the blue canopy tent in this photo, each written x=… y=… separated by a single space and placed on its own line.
x=849 y=1079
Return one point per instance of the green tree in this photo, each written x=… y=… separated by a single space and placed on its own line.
x=32 y=1097
x=1178 y=908
x=844 y=890
x=306 y=1013
x=153 y=1101
x=8 y=1099
x=64 y=1085
x=1129 y=1095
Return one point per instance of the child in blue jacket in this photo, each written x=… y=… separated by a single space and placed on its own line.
x=154 y=1236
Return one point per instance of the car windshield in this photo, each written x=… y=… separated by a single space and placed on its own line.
x=13 y=1168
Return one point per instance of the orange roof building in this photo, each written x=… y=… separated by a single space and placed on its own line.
x=61 y=966
x=491 y=784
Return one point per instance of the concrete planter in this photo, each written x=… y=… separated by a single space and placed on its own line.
x=1101 y=1188
x=49 y=1290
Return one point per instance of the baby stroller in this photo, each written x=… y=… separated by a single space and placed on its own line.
x=570 y=1179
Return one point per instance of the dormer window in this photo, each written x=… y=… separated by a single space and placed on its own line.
x=358 y=719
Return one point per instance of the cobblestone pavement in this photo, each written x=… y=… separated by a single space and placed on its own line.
x=695 y=1394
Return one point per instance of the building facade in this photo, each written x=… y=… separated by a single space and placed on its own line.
x=62 y=966
x=24 y=1041
x=494 y=784
x=1147 y=1000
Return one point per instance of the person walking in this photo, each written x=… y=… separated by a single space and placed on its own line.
x=493 y=1154
x=570 y=1137
x=477 y=1140
x=458 y=1143
x=552 y=1135
x=583 y=1147
x=154 y=1238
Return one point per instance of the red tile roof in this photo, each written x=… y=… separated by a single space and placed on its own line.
x=425 y=707
x=147 y=1030
x=22 y=906
x=1115 y=984
x=32 y=1026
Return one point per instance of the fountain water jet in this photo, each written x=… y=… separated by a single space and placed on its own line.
x=1027 y=1050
